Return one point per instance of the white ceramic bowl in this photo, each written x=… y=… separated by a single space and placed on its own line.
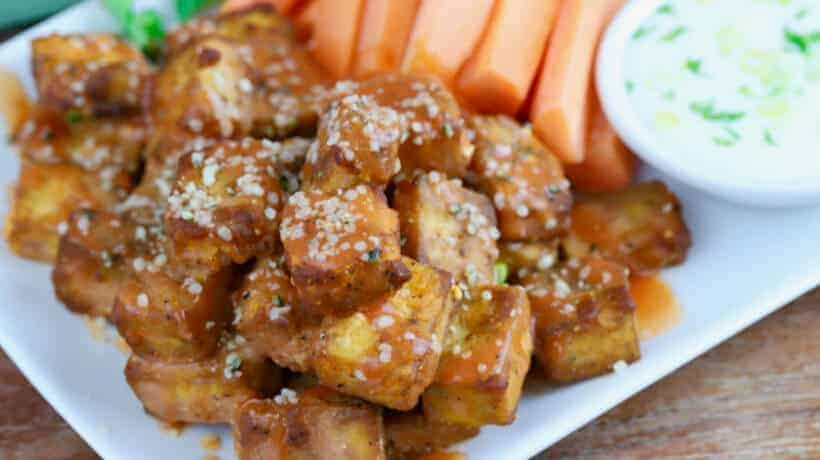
x=729 y=180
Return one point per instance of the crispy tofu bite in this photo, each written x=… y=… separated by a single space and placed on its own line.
x=487 y=353
x=388 y=351
x=448 y=226
x=267 y=314
x=641 y=227
x=226 y=203
x=98 y=252
x=205 y=90
x=44 y=197
x=520 y=258
x=358 y=142
x=342 y=248
x=584 y=318
x=411 y=435
x=525 y=181
x=174 y=318
x=110 y=147
x=435 y=136
x=315 y=423
x=90 y=75
x=205 y=391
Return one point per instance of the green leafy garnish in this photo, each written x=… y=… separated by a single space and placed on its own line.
x=708 y=112
x=694 y=66
x=801 y=41
x=500 y=272
x=666 y=9
x=801 y=14
x=186 y=9
x=745 y=90
x=630 y=86
x=642 y=32
x=674 y=34
x=144 y=28
x=734 y=136
x=769 y=138
x=73 y=116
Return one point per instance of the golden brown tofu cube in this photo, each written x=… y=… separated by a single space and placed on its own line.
x=358 y=142
x=207 y=391
x=165 y=318
x=226 y=203
x=584 y=317
x=90 y=75
x=525 y=181
x=487 y=353
x=312 y=424
x=434 y=136
x=205 y=90
x=411 y=435
x=641 y=227
x=110 y=147
x=342 y=248
x=448 y=226
x=270 y=318
x=524 y=257
x=96 y=255
x=44 y=197
x=388 y=351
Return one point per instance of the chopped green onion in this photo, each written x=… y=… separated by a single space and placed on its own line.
x=674 y=34
x=708 y=112
x=500 y=272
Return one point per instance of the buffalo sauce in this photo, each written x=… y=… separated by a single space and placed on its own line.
x=15 y=106
x=657 y=309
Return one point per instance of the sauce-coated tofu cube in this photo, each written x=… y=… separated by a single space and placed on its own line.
x=487 y=353
x=90 y=75
x=388 y=351
x=96 y=256
x=174 y=318
x=641 y=227
x=270 y=317
x=312 y=424
x=358 y=142
x=44 y=197
x=525 y=181
x=342 y=248
x=206 y=391
x=448 y=226
x=411 y=435
x=585 y=318
x=226 y=203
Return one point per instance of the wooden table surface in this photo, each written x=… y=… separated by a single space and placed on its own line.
x=755 y=396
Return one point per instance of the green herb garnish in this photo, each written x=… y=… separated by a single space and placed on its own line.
x=730 y=141
x=801 y=14
x=769 y=138
x=801 y=41
x=694 y=66
x=642 y=31
x=666 y=9
x=373 y=255
x=277 y=300
x=708 y=112
x=186 y=9
x=630 y=86
x=500 y=272
x=674 y=34
x=73 y=116
x=144 y=28
x=447 y=130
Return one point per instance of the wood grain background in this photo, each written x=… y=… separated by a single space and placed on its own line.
x=756 y=396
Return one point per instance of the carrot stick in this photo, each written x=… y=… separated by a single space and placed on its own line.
x=335 y=33
x=386 y=26
x=497 y=77
x=444 y=36
x=282 y=6
x=560 y=107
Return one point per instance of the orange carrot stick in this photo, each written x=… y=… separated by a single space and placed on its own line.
x=497 y=77
x=282 y=6
x=386 y=26
x=444 y=36
x=335 y=33
x=560 y=107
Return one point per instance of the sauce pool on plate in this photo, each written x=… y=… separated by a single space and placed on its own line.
x=733 y=84
x=657 y=310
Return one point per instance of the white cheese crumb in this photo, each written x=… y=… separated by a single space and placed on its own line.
x=142 y=300
x=225 y=233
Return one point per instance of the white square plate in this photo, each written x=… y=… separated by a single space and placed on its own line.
x=744 y=264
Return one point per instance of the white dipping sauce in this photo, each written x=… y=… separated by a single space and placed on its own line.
x=733 y=84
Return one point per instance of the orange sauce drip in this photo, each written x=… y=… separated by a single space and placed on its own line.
x=15 y=106
x=657 y=308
